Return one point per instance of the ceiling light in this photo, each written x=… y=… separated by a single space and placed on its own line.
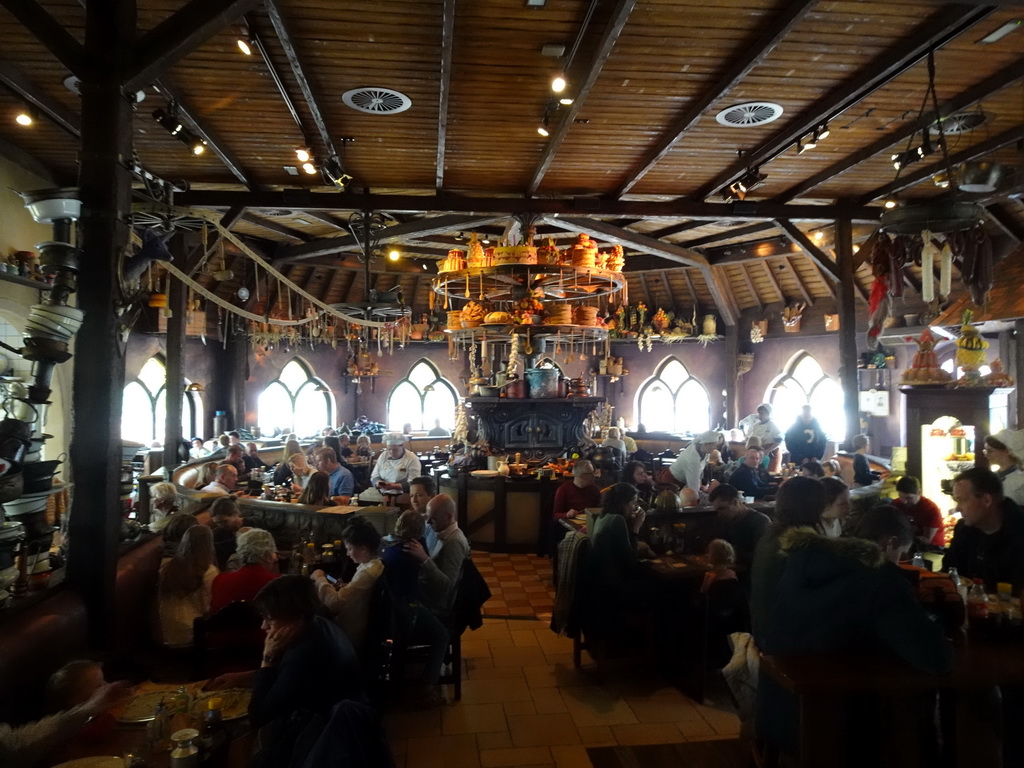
x=333 y=172
x=555 y=50
x=543 y=131
x=168 y=120
x=819 y=236
x=1000 y=32
x=823 y=132
x=394 y=254
x=309 y=168
x=536 y=3
x=856 y=247
x=303 y=154
x=24 y=117
x=194 y=387
x=800 y=148
x=198 y=146
x=558 y=84
x=424 y=267
x=246 y=40
x=811 y=141
x=243 y=46
x=486 y=241
x=941 y=180
x=890 y=203
x=565 y=101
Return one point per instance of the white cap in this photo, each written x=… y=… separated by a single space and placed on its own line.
x=1013 y=439
x=393 y=438
x=711 y=436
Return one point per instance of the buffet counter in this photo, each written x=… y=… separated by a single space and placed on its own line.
x=502 y=514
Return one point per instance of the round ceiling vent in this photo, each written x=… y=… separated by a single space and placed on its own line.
x=276 y=213
x=377 y=101
x=959 y=122
x=750 y=114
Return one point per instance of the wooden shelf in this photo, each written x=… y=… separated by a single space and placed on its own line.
x=559 y=282
x=19 y=280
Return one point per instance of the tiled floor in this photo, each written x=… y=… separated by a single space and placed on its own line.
x=523 y=704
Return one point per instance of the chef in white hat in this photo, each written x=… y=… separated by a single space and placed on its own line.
x=396 y=466
x=689 y=465
x=1005 y=449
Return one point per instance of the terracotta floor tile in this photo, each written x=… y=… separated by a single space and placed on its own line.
x=557 y=675
x=542 y=730
x=474 y=649
x=416 y=724
x=518 y=657
x=646 y=733
x=494 y=691
x=495 y=673
x=664 y=709
x=496 y=740
x=443 y=752
x=522 y=638
x=520 y=708
x=548 y=700
x=472 y=718
x=697 y=729
x=517 y=757
x=592 y=705
x=572 y=756
x=597 y=735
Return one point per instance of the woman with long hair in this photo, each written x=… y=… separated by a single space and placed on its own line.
x=283 y=472
x=183 y=592
x=318 y=491
x=350 y=603
x=837 y=507
x=301 y=471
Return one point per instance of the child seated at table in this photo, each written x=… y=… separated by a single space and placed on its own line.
x=74 y=684
x=721 y=558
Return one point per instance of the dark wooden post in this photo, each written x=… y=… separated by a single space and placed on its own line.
x=732 y=379
x=847 y=327
x=175 y=384
x=105 y=183
x=1018 y=372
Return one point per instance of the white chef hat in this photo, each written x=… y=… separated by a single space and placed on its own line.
x=711 y=436
x=393 y=438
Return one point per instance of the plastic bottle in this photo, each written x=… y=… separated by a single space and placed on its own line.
x=977 y=603
x=961 y=587
x=918 y=561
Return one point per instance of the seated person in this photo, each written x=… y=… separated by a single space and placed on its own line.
x=73 y=685
x=924 y=514
x=844 y=596
x=225 y=521
x=206 y=474
x=198 y=450
x=256 y=556
x=437 y=430
x=614 y=440
x=300 y=471
x=636 y=474
x=350 y=603
x=28 y=745
x=252 y=459
x=317 y=492
x=342 y=484
x=308 y=667
x=831 y=468
x=837 y=506
x=173 y=532
x=183 y=588
x=224 y=481
x=236 y=458
x=862 y=474
x=721 y=559
x=364 y=449
x=988 y=543
x=739 y=525
x=747 y=478
x=345 y=441
x=283 y=471
x=812 y=469
x=163 y=504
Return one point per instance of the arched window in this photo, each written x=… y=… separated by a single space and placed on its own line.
x=673 y=401
x=297 y=401
x=144 y=407
x=998 y=403
x=422 y=396
x=804 y=383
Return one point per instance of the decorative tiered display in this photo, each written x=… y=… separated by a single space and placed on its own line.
x=925 y=369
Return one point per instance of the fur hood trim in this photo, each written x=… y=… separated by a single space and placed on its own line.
x=866 y=552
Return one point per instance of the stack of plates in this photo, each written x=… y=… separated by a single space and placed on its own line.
x=50 y=321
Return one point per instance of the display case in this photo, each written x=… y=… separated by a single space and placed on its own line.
x=946 y=428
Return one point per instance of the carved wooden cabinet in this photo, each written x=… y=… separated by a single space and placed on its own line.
x=535 y=428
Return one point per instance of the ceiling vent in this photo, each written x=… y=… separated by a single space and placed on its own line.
x=377 y=101
x=750 y=114
x=959 y=122
x=276 y=213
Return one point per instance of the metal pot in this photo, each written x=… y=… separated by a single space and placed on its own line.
x=488 y=391
x=517 y=389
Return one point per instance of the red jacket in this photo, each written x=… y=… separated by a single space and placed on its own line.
x=242 y=584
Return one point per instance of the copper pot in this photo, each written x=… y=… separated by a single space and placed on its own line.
x=517 y=389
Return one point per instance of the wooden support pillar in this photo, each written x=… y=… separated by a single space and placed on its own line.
x=1017 y=418
x=847 y=327
x=95 y=519
x=175 y=383
x=230 y=373
x=732 y=379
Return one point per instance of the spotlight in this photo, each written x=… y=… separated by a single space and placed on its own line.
x=819 y=236
x=198 y=146
x=941 y=180
x=25 y=117
x=309 y=168
x=823 y=132
x=333 y=173
x=394 y=255
x=543 y=130
x=424 y=267
x=811 y=141
x=168 y=121
x=303 y=154
x=800 y=148
x=558 y=84
x=243 y=46
x=890 y=203
x=565 y=101
x=246 y=40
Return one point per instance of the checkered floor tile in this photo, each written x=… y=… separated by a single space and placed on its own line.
x=520 y=585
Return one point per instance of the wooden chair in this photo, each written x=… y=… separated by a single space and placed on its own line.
x=228 y=641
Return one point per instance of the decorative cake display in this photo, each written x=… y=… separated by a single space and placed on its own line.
x=472 y=315
x=476 y=257
x=495 y=318
x=558 y=314
x=455 y=261
x=514 y=254
x=585 y=315
x=455 y=319
x=615 y=259
x=549 y=254
x=925 y=368
x=584 y=251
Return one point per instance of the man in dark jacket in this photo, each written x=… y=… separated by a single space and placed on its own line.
x=805 y=439
x=747 y=478
x=988 y=543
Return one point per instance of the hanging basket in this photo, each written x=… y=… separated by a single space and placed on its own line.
x=941 y=216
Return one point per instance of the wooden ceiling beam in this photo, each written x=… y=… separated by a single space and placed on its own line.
x=15 y=80
x=944 y=25
x=828 y=267
x=213 y=141
x=677 y=229
x=273 y=226
x=752 y=55
x=752 y=229
x=444 y=88
x=324 y=218
x=721 y=293
x=772 y=279
x=690 y=289
x=354 y=263
x=428 y=225
x=600 y=53
x=30 y=163
x=1005 y=221
x=982 y=148
x=750 y=287
x=179 y=34
x=799 y=283
x=668 y=288
x=647 y=290
x=308 y=92
x=624 y=237
x=48 y=31
x=303 y=199
x=987 y=87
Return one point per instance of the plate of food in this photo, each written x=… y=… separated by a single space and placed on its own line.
x=234 y=702
x=485 y=473
x=141 y=707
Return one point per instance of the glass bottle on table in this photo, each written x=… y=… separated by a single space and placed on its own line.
x=213 y=740
x=977 y=604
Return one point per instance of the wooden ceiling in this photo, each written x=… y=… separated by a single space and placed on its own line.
x=638 y=158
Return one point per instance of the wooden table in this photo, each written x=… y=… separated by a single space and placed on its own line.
x=822 y=681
